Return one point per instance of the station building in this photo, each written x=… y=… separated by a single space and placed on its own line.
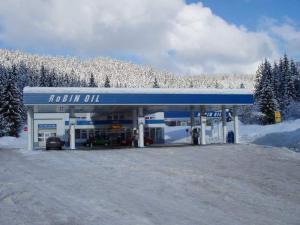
x=74 y=114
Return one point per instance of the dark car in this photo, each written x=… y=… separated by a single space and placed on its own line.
x=54 y=143
x=128 y=142
x=102 y=140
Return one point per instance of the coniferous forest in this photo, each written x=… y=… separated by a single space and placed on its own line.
x=276 y=87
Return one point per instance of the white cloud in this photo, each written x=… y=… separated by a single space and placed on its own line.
x=289 y=35
x=168 y=34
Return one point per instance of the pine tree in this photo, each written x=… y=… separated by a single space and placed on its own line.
x=43 y=77
x=11 y=109
x=294 y=74
x=155 y=84
x=258 y=81
x=92 y=81
x=276 y=81
x=107 y=82
x=52 y=79
x=66 y=80
x=295 y=71
x=284 y=101
x=266 y=100
x=22 y=71
x=3 y=83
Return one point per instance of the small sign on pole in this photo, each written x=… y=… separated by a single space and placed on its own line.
x=277 y=117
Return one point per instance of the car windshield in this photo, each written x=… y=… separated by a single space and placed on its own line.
x=53 y=139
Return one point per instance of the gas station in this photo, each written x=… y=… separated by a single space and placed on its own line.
x=74 y=114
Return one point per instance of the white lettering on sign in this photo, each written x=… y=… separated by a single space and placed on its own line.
x=51 y=98
x=87 y=98
x=74 y=98
x=57 y=99
x=65 y=98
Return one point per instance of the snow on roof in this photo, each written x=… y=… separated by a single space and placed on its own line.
x=63 y=90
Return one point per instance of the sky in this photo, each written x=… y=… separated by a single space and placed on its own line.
x=184 y=37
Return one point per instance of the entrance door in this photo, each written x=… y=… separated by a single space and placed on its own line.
x=43 y=136
x=157 y=135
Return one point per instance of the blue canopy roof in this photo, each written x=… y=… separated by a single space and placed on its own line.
x=121 y=96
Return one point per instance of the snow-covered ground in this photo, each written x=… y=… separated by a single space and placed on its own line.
x=286 y=134
x=13 y=142
x=217 y=184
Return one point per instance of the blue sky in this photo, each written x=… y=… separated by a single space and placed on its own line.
x=184 y=37
x=255 y=15
x=249 y=13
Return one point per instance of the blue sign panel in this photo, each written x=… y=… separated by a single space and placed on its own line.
x=47 y=126
x=100 y=122
x=185 y=114
x=136 y=99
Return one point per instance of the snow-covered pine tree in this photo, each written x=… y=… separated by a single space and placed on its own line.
x=294 y=75
x=267 y=101
x=155 y=84
x=276 y=81
x=22 y=71
x=288 y=88
x=258 y=81
x=92 y=81
x=52 y=79
x=11 y=109
x=43 y=77
x=295 y=71
x=107 y=82
x=3 y=83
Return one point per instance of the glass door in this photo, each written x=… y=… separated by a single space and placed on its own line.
x=43 y=136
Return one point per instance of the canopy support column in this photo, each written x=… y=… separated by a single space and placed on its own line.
x=203 y=126
x=72 y=136
x=192 y=119
x=141 y=122
x=236 y=125
x=224 y=123
x=30 y=127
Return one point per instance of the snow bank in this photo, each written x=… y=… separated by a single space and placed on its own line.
x=286 y=134
x=13 y=142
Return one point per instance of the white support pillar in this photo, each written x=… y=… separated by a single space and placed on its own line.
x=192 y=124
x=72 y=136
x=203 y=126
x=236 y=125
x=224 y=123
x=30 y=128
x=141 y=122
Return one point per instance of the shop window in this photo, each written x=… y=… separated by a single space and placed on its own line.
x=83 y=134
x=77 y=134
x=171 y=123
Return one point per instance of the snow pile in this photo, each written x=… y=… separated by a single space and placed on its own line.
x=13 y=142
x=286 y=134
